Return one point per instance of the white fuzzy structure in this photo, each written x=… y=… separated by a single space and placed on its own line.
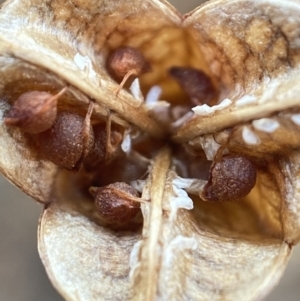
x=267 y=125
x=135 y=90
x=207 y=110
x=84 y=63
x=153 y=95
x=250 y=137
x=177 y=244
x=245 y=100
x=182 y=182
x=210 y=146
x=138 y=185
x=180 y=200
x=296 y=119
x=126 y=144
x=193 y=186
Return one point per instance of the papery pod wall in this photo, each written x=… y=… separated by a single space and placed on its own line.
x=185 y=248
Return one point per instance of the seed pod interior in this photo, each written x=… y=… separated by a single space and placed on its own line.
x=186 y=242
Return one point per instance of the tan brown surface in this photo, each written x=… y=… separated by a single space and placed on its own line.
x=21 y=273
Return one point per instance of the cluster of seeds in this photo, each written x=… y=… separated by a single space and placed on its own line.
x=74 y=142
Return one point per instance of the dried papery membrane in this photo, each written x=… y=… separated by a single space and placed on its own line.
x=182 y=248
x=78 y=253
x=291 y=193
x=253 y=97
x=271 y=80
x=15 y=154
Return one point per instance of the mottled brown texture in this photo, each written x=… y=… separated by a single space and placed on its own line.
x=116 y=203
x=126 y=60
x=231 y=178
x=198 y=86
x=34 y=112
x=63 y=143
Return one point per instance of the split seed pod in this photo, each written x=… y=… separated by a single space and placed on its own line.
x=250 y=50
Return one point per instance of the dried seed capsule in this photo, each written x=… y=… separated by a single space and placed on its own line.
x=195 y=83
x=231 y=178
x=116 y=203
x=126 y=62
x=65 y=143
x=34 y=112
x=99 y=152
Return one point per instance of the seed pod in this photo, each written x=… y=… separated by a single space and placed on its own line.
x=64 y=143
x=195 y=83
x=126 y=62
x=231 y=178
x=34 y=112
x=176 y=250
x=116 y=203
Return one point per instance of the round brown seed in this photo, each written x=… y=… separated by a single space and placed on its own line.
x=231 y=178
x=34 y=112
x=65 y=142
x=195 y=83
x=117 y=203
x=126 y=62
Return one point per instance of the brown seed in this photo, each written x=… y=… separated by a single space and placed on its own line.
x=34 y=112
x=126 y=62
x=231 y=178
x=99 y=153
x=66 y=142
x=195 y=83
x=117 y=203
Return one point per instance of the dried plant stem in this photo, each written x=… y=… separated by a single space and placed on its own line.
x=149 y=270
